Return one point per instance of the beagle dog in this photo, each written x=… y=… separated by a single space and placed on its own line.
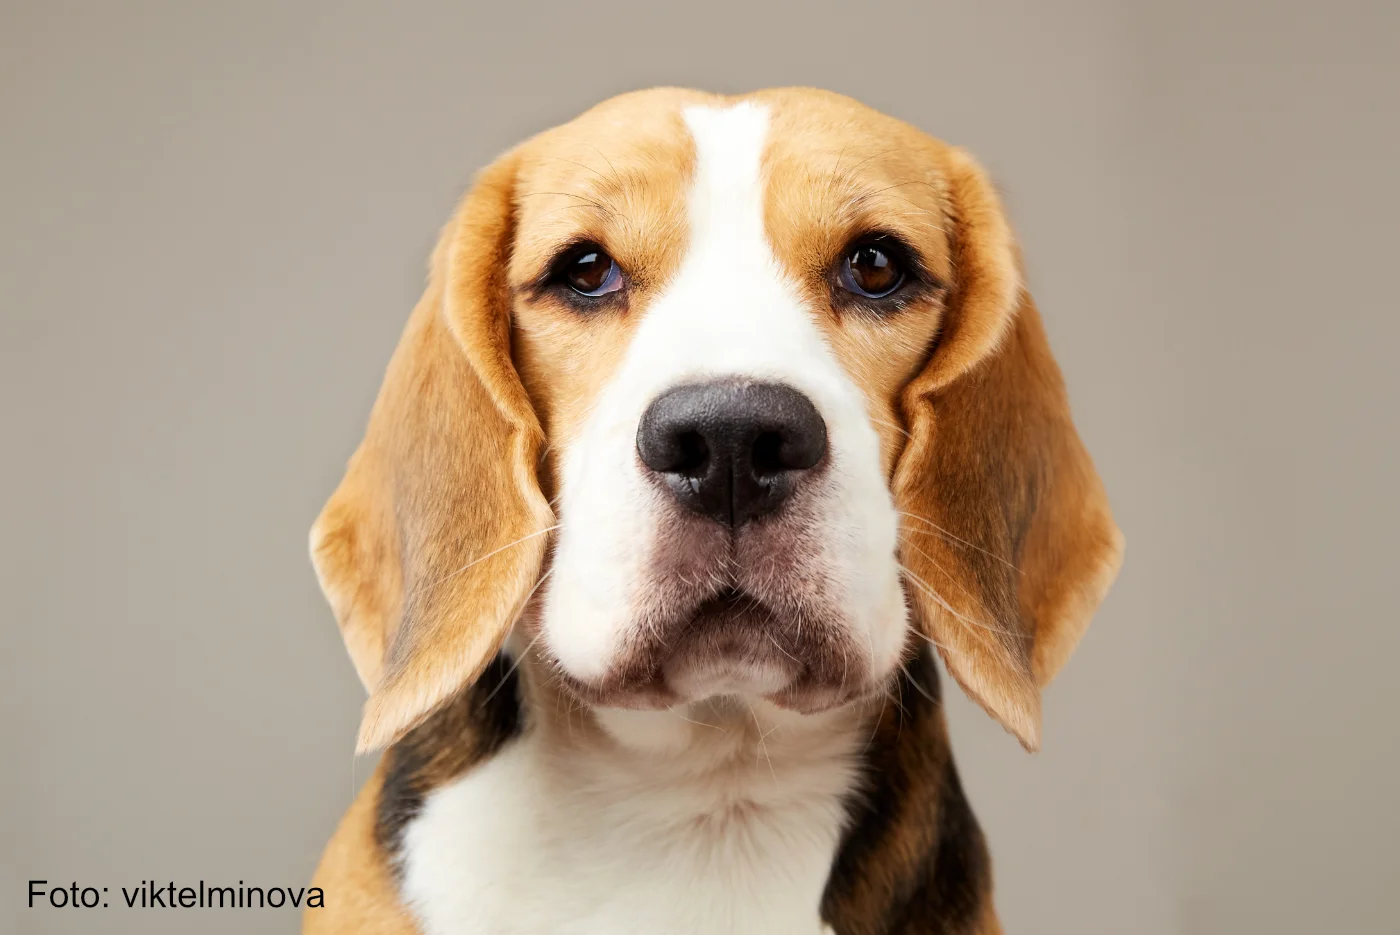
x=718 y=416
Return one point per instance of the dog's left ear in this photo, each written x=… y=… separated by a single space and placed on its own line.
x=1006 y=532
x=434 y=540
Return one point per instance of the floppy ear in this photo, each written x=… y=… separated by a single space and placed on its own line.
x=1007 y=533
x=434 y=540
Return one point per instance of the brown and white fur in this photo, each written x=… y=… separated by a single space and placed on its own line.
x=574 y=745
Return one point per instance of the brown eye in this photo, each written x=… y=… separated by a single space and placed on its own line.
x=592 y=272
x=871 y=271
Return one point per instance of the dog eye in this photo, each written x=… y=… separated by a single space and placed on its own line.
x=591 y=272
x=871 y=271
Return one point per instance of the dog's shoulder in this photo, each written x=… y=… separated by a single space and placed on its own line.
x=359 y=870
x=362 y=894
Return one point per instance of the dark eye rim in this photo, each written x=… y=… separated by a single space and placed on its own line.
x=555 y=279
x=915 y=283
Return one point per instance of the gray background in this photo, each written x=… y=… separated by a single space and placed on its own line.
x=214 y=222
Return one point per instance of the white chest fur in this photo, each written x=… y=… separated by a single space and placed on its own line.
x=654 y=824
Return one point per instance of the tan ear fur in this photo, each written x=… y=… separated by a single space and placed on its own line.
x=434 y=540
x=1007 y=534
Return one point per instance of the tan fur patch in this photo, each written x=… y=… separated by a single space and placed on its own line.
x=362 y=895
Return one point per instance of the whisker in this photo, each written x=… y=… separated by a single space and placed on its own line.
x=617 y=179
x=903 y=714
x=948 y=535
x=528 y=646
x=919 y=688
x=932 y=592
x=930 y=640
x=774 y=640
x=835 y=173
x=587 y=201
x=935 y=564
x=938 y=599
x=762 y=739
x=884 y=703
x=885 y=152
x=847 y=177
x=885 y=422
x=580 y=165
x=508 y=545
x=900 y=184
x=515 y=664
x=695 y=722
x=555 y=211
x=860 y=200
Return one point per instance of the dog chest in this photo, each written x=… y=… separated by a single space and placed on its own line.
x=521 y=845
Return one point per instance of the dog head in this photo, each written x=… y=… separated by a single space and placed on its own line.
x=713 y=396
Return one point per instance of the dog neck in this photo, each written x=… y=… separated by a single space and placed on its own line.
x=869 y=789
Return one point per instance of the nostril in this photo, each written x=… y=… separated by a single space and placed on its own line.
x=671 y=445
x=767 y=456
x=692 y=454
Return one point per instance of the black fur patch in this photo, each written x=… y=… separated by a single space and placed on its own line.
x=471 y=727
x=913 y=860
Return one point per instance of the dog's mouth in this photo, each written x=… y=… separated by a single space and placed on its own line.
x=726 y=607
x=734 y=644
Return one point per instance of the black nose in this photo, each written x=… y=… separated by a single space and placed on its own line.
x=731 y=450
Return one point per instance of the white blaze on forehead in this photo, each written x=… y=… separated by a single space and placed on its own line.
x=730 y=311
x=726 y=195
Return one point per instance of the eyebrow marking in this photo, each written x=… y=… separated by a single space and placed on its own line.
x=587 y=202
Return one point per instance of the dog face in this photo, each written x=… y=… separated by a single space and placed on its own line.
x=719 y=396
x=722 y=491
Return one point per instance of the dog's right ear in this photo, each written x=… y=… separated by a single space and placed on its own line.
x=434 y=540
